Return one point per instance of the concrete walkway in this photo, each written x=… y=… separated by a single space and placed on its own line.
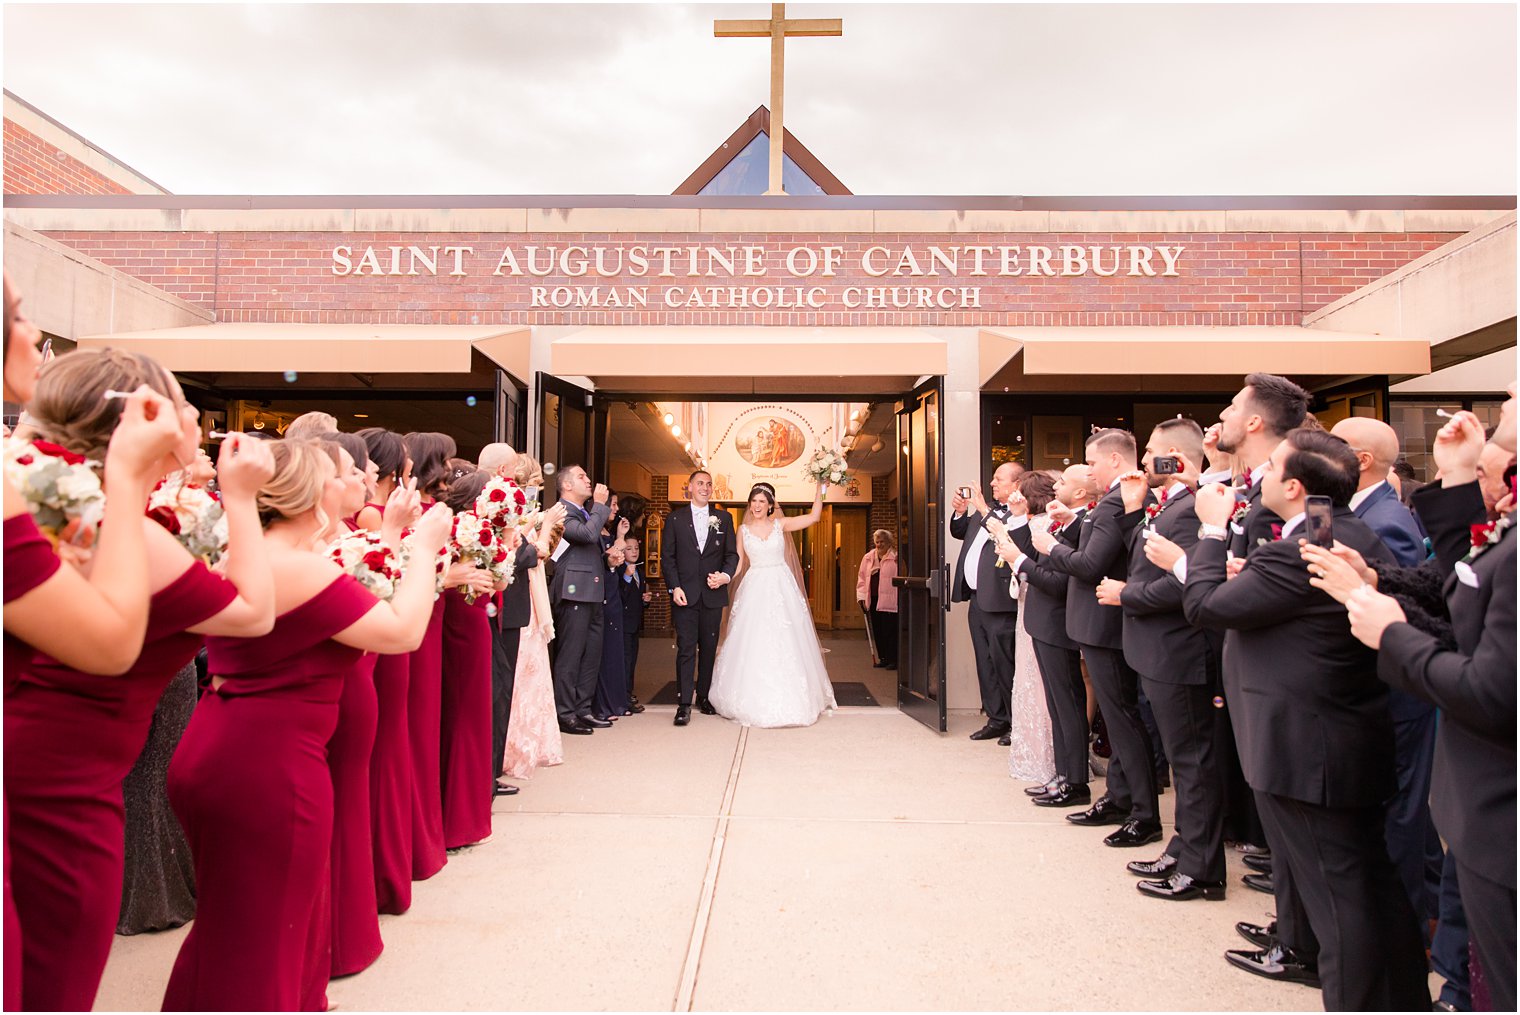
x=862 y=863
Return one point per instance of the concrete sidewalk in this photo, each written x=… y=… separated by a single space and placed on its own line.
x=862 y=863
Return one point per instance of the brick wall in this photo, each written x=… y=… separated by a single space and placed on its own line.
x=884 y=503
x=1224 y=278
x=32 y=166
x=657 y=614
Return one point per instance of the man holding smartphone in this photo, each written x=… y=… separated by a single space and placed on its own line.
x=981 y=582
x=1314 y=732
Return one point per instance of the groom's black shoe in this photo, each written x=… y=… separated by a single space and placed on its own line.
x=574 y=727
x=1065 y=795
x=595 y=723
x=706 y=707
x=990 y=732
x=1134 y=833
x=683 y=715
x=1104 y=812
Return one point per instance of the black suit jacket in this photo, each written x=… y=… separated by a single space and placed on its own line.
x=1045 y=596
x=1102 y=553
x=580 y=570
x=1158 y=640
x=1472 y=791
x=991 y=591
x=633 y=597
x=686 y=566
x=517 y=599
x=1256 y=530
x=1310 y=714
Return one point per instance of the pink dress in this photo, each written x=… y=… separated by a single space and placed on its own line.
x=468 y=784
x=533 y=736
x=251 y=786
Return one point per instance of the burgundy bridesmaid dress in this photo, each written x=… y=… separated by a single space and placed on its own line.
x=468 y=782
x=390 y=788
x=424 y=718
x=70 y=740
x=355 y=927
x=250 y=784
x=29 y=561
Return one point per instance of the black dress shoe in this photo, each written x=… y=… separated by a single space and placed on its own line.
x=1104 y=812
x=503 y=790
x=706 y=707
x=1262 y=937
x=1260 y=882
x=595 y=723
x=1043 y=788
x=1160 y=867
x=634 y=708
x=1261 y=863
x=1134 y=833
x=1179 y=888
x=1006 y=740
x=575 y=729
x=683 y=715
x=1065 y=795
x=990 y=732
x=1275 y=963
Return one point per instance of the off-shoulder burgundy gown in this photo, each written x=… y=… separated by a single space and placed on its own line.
x=70 y=740
x=250 y=784
x=469 y=785
x=424 y=720
x=355 y=926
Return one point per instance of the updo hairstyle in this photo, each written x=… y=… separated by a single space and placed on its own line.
x=301 y=471
x=69 y=407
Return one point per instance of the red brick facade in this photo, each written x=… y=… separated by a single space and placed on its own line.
x=32 y=166
x=1222 y=278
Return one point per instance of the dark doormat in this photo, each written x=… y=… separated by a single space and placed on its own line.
x=851 y=693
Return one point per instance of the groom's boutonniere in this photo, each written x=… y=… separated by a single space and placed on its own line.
x=714 y=523
x=1486 y=535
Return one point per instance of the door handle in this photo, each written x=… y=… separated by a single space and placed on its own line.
x=909 y=582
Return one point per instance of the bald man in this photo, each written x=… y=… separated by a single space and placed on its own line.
x=497 y=459
x=993 y=615
x=1375 y=501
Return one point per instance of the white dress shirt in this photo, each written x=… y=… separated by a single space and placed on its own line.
x=699 y=521
x=1361 y=495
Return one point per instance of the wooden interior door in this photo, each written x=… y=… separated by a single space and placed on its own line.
x=821 y=542
x=852 y=538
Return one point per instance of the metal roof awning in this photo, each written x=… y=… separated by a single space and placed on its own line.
x=326 y=348
x=640 y=351
x=1180 y=350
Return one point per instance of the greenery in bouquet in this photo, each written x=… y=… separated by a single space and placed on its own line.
x=827 y=465
x=477 y=541
x=504 y=504
x=192 y=515
x=62 y=490
x=366 y=556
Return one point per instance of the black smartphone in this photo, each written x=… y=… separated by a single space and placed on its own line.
x=1165 y=465
x=1319 y=520
x=965 y=492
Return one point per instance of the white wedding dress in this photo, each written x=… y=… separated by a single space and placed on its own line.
x=769 y=670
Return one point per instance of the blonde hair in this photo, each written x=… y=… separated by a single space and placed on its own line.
x=310 y=424
x=300 y=474
x=70 y=407
x=529 y=472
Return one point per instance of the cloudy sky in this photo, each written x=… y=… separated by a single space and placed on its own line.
x=913 y=99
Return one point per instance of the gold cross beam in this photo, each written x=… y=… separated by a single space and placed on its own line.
x=777 y=29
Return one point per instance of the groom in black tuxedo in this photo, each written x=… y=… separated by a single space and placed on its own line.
x=981 y=579
x=701 y=554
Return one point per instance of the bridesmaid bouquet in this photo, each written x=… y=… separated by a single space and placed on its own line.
x=477 y=541
x=440 y=562
x=192 y=515
x=826 y=466
x=366 y=556
x=504 y=504
x=62 y=490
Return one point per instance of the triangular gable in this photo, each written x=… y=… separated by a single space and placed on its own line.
x=752 y=142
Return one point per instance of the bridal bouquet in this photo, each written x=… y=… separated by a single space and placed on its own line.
x=192 y=515
x=826 y=466
x=365 y=555
x=476 y=541
x=62 y=490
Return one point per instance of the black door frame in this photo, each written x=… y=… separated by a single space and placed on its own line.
x=923 y=580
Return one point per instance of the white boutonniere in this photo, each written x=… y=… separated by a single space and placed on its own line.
x=714 y=523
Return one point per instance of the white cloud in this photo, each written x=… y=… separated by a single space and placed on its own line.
x=914 y=99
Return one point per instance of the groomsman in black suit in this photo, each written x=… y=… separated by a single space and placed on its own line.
x=1257 y=419
x=1473 y=787
x=1060 y=662
x=1178 y=666
x=576 y=594
x=1130 y=801
x=701 y=555
x=981 y=579
x=1314 y=731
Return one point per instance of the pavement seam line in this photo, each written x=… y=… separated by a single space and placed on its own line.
x=689 y=969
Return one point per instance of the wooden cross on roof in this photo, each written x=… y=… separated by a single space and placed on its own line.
x=777 y=29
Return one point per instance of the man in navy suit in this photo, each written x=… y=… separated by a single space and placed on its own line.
x=1412 y=841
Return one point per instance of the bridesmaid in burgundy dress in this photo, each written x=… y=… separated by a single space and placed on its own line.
x=390 y=769
x=250 y=782
x=70 y=737
x=96 y=624
x=469 y=785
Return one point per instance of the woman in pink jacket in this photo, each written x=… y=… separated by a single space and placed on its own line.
x=879 y=596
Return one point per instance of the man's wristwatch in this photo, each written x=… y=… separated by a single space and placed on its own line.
x=1207 y=531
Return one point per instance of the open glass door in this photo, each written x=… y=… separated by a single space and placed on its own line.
x=566 y=429
x=923 y=587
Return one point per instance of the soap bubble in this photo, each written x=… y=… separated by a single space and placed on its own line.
x=1218 y=701
x=549 y=469
x=290 y=377
x=490 y=609
x=470 y=401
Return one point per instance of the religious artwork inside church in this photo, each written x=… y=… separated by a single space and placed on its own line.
x=620 y=518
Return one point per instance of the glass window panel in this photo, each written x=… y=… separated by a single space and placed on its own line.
x=748 y=173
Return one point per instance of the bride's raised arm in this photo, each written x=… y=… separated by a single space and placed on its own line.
x=812 y=517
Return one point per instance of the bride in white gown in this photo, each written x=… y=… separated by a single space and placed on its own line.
x=769 y=670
